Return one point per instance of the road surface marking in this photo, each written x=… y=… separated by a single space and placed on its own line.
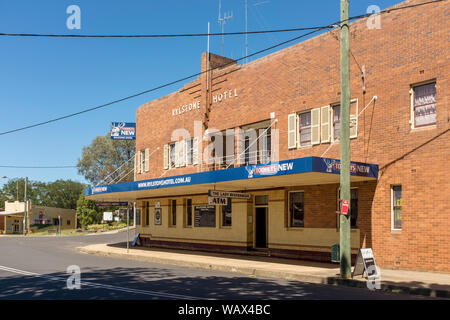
x=103 y=286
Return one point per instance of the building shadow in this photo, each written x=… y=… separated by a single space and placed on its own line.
x=157 y=283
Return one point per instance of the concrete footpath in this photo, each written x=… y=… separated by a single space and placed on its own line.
x=398 y=281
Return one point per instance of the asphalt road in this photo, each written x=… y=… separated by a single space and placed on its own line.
x=36 y=268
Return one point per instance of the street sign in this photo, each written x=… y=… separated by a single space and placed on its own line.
x=365 y=262
x=107 y=216
x=123 y=131
x=344 y=207
x=111 y=204
x=217 y=201
x=228 y=194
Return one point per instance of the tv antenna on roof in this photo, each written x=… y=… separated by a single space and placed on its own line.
x=222 y=21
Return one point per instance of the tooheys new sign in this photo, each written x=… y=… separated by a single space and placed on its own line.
x=123 y=131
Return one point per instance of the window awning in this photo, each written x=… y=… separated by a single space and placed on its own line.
x=294 y=172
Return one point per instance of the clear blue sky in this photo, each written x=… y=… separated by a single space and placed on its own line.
x=43 y=78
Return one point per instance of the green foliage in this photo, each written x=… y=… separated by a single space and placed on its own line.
x=88 y=213
x=59 y=194
x=103 y=156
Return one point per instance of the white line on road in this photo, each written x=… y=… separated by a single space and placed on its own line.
x=102 y=286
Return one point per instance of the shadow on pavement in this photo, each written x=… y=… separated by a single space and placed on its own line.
x=157 y=283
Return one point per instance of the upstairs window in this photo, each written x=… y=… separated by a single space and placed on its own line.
x=424 y=105
x=172 y=153
x=336 y=122
x=255 y=144
x=190 y=151
x=305 y=128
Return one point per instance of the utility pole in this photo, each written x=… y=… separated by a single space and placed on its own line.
x=128 y=227
x=25 y=213
x=246 y=32
x=344 y=230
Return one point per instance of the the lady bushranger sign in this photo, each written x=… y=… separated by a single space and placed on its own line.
x=195 y=105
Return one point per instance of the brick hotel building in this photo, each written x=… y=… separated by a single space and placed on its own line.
x=400 y=148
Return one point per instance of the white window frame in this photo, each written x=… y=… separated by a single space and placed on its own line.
x=290 y=226
x=142 y=161
x=392 y=208
x=299 y=135
x=332 y=106
x=170 y=155
x=412 y=120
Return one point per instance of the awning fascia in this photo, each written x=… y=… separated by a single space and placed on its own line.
x=322 y=166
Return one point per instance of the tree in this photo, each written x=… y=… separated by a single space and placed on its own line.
x=59 y=194
x=103 y=156
x=14 y=190
x=87 y=212
x=63 y=194
x=3 y=197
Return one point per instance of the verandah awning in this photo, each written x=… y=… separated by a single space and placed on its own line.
x=11 y=213
x=294 y=172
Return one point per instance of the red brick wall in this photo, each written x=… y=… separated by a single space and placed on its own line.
x=411 y=46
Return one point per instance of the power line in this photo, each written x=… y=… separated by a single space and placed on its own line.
x=211 y=34
x=208 y=70
x=159 y=87
x=155 y=35
x=39 y=167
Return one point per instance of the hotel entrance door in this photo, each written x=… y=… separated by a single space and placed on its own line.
x=261 y=227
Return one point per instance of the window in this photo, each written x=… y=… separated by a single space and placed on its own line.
x=147 y=214
x=305 y=128
x=172 y=153
x=190 y=151
x=173 y=208
x=265 y=145
x=262 y=200
x=397 y=207
x=55 y=221
x=336 y=122
x=256 y=142
x=296 y=209
x=189 y=212
x=68 y=222
x=138 y=217
x=142 y=159
x=424 y=105
x=247 y=150
x=226 y=214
